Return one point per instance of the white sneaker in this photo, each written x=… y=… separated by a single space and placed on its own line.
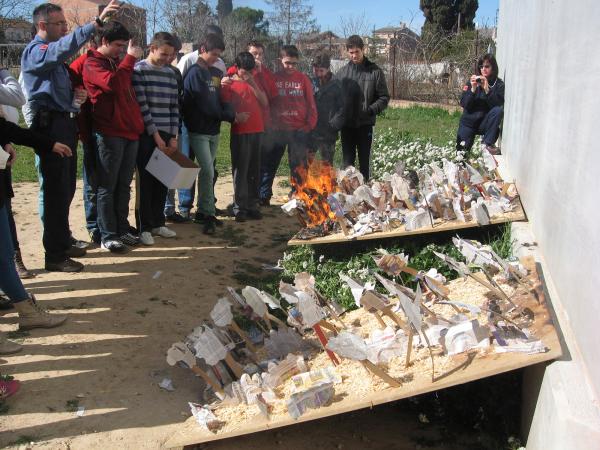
x=164 y=232
x=146 y=238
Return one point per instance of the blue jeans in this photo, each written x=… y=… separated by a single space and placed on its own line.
x=271 y=154
x=487 y=125
x=116 y=164
x=9 y=280
x=186 y=196
x=90 y=186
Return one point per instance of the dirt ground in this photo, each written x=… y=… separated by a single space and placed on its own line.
x=122 y=317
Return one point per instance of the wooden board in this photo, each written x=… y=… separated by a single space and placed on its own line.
x=466 y=367
x=439 y=226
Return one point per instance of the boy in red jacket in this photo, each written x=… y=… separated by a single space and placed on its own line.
x=294 y=116
x=117 y=124
x=248 y=99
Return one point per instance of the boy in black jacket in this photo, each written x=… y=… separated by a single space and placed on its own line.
x=364 y=78
x=330 y=108
x=203 y=112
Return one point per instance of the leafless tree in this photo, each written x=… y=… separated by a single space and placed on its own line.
x=289 y=18
x=187 y=18
x=354 y=24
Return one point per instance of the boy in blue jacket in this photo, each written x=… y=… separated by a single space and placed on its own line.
x=203 y=112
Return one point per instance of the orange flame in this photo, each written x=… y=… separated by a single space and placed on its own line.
x=312 y=185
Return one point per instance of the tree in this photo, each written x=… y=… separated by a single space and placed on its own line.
x=187 y=18
x=289 y=18
x=241 y=26
x=224 y=8
x=447 y=16
x=354 y=24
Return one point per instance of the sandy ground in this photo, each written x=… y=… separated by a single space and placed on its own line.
x=110 y=355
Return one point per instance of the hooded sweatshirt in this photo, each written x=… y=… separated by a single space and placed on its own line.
x=115 y=110
x=294 y=107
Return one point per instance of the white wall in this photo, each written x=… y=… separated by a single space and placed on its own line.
x=549 y=57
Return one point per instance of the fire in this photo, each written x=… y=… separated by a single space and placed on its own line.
x=312 y=185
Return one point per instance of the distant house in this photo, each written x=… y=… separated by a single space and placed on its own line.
x=15 y=31
x=383 y=41
x=79 y=12
x=312 y=43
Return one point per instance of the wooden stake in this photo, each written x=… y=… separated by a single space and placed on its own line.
x=235 y=327
x=378 y=371
x=409 y=347
x=380 y=320
x=323 y=340
x=213 y=384
x=234 y=365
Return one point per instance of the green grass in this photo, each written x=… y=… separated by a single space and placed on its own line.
x=434 y=124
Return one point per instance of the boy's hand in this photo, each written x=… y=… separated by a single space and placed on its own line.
x=226 y=81
x=241 y=117
x=159 y=142
x=12 y=154
x=111 y=8
x=134 y=50
x=172 y=145
x=62 y=150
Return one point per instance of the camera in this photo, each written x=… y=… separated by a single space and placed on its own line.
x=479 y=80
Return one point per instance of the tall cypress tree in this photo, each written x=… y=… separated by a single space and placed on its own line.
x=224 y=8
x=446 y=16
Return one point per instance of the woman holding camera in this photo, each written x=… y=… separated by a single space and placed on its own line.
x=483 y=106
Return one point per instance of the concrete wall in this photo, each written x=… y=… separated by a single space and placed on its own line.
x=549 y=57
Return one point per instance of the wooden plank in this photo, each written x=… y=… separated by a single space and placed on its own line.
x=439 y=226
x=466 y=367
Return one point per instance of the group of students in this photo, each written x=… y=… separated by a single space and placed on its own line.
x=122 y=108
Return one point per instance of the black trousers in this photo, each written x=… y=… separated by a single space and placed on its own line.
x=59 y=175
x=245 y=165
x=151 y=193
x=357 y=140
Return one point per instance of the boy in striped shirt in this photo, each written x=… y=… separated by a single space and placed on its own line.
x=157 y=93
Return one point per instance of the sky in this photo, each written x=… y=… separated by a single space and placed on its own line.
x=380 y=13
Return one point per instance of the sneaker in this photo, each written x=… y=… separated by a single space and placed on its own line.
x=164 y=232
x=130 y=239
x=79 y=244
x=254 y=214
x=177 y=218
x=22 y=271
x=146 y=238
x=68 y=265
x=265 y=202
x=241 y=217
x=114 y=246
x=210 y=225
x=75 y=252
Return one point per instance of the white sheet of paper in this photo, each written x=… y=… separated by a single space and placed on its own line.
x=221 y=313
